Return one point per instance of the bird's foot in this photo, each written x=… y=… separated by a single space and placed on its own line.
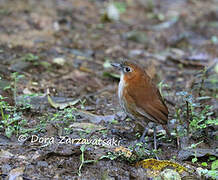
x=142 y=138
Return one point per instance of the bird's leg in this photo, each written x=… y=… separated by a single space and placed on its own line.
x=155 y=140
x=142 y=138
x=155 y=136
x=167 y=130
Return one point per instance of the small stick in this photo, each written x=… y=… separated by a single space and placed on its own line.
x=188 y=116
x=202 y=82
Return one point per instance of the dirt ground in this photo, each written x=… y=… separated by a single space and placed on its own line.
x=59 y=91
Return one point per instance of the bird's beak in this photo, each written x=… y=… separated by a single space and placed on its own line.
x=117 y=65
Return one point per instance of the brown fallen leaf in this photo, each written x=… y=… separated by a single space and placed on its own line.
x=127 y=153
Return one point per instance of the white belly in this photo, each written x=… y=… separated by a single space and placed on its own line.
x=120 y=91
x=121 y=86
x=120 y=95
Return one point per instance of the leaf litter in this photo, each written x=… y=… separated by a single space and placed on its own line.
x=64 y=49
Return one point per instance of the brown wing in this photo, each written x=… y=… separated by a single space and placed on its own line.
x=148 y=101
x=157 y=110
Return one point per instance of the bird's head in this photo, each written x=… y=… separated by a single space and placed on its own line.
x=129 y=70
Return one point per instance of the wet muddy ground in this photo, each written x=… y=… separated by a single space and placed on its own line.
x=59 y=91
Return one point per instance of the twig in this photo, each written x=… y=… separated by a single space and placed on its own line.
x=202 y=82
x=178 y=121
x=188 y=116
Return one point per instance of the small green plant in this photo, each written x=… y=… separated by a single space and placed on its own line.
x=200 y=120
x=161 y=85
x=121 y=6
x=2 y=105
x=140 y=152
x=198 y=116
x=30 y=57
x=15 y=78
x=33 y=59
x=12 y=121
x=66 y=116
x=114 y=121
x=104 y=131
x=40 y=127
x=192 y=111
x=194 y=146
x=204 y=164
x=213 y=172
x=214 y=39
x=83 y=103
x=82 y=159
x=110 y=155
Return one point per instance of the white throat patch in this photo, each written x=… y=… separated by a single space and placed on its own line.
x=121 y=86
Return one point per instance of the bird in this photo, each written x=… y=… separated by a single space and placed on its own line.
x=139 y=97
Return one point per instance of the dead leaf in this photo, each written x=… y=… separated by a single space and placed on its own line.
x=96 y=118
x=27 y=91
x=5 y=154
x=127 y=153
x=113 y=75
x=160 y=164
x=87 y=126
x=15 y=174
x=60 y=105
x=85 y=69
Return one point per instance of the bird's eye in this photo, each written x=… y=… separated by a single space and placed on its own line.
x=127 y=69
